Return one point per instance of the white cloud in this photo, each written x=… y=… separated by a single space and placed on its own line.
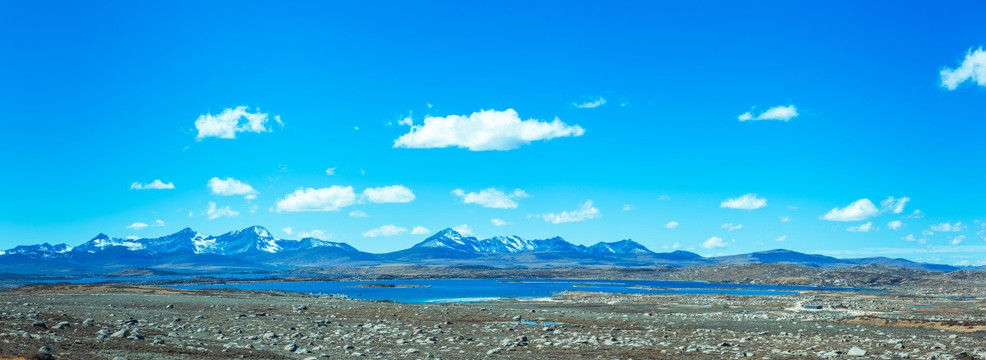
x=158 y=222
x=420 y=230
x=227 y=123
x=230 y=186
x=948 y=227
x=463 y=229
x=781 y=238
x=958 y=239
x=287 y=230
x=746 y=202
x=323 y=199
x=137 y=226
x=859 y=210
x=584 y=212
x=973 y=68
x=330 y=171
x=407 y=121
x=358 y=214
x=671 y=224
x=912 y=238
x=214 y=213
x=785 y=219
x=591 y=104
x=491 y=198
x=917 y=214
x=627 y=207
x=157 y=184
x=730 y=227
x=714 y=242
x=498 y=222
x=867 y=227
x=894 y=225
x=782 y=113
x=318 y=234
x=386 y=230
x=894 y=205
x=389 y=194
x=483 y=130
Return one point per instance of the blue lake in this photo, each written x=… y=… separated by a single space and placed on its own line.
x=463 y=290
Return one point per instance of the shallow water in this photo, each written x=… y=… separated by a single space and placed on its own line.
x=478 y=290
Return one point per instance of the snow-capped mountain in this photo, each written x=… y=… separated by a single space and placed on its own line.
x=452 y=240
x=252 y=240
x=618 y=247
x=42 y=250
x=254 y=248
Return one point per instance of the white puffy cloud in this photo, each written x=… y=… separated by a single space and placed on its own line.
x=463 y=229
x=137 y=226
x=948 y=227
x=318 y=234
x=714 y=242
x=491 y=198
x=917 y=214
x=358 y=214
x=323 y=199
x=386 y=230
x=867 y=227
x=287 y=230
x=591 y=104
x=227 y=123
x=214 y=213
x=330 y=171
x=157 y=184
x=894 y=224
x=420 y=230
x=973 y=68
x=388 y=194
x=230 y=186
x=483 y=130
x=497 y=222
x=583 y=213
x=894 y=205
x=746 y=202
x=781 y=238
x=158 y=222
x=671 y=224
x=912 y=238
x=859 y=210
x=782 y=113
x=958 y=239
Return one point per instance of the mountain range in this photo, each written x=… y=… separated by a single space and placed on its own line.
x=255 y=249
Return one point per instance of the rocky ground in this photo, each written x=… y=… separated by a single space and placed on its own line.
x=136 y=322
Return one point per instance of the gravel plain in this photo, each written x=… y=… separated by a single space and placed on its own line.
x=104 y=321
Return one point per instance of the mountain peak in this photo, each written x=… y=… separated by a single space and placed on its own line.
x=259 y=230
x=621 y=247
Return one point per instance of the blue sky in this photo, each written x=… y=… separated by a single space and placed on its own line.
x=841 y=102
